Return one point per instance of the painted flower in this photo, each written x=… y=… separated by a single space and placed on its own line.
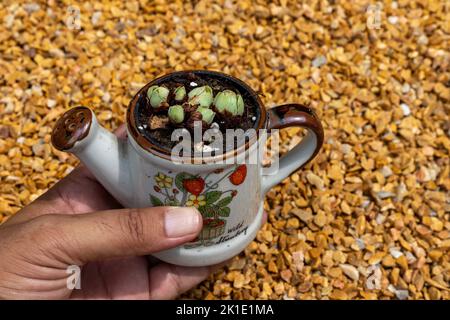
x=163 y=181
x=196 y=201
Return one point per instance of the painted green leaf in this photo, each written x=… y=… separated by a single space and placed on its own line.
x=172 y=202
x=224 y=211
x=209 y=212
x=179 y=179
x=155 y=201
x=202 y=210
x=212 y=196
x=224 y=202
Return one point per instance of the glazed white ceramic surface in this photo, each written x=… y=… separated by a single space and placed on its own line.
x=135 y=176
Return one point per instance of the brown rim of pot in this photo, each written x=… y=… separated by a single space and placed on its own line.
x=147 y=145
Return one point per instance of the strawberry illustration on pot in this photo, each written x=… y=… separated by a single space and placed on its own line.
x=238 y=176
x=194 y=185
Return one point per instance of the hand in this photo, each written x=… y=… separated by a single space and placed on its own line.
x=78 y=223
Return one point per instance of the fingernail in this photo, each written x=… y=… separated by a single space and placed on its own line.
x=180 y=222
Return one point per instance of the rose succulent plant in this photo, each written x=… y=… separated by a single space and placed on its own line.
x=201 y=96
x=229 y=102
x=157 y=95
x=200 y=105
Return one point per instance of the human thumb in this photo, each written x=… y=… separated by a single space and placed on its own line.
x=125 y=232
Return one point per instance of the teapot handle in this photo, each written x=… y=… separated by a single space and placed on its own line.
x=294 y=115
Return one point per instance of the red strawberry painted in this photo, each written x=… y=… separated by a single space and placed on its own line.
x=238 y=176
x=194 y=185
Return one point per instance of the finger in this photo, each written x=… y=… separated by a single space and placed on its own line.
x=168 y=281
x=119 y=233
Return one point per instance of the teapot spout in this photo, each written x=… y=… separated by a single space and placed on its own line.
x=78 y=132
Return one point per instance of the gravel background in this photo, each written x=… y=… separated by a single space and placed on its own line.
x=369 y=218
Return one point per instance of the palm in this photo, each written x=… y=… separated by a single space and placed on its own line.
x=127 y=278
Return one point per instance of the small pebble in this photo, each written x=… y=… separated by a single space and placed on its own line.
x=319 y=61
x=386 y=127
x=393 y=19
x=386 y=171
x=402 y=294
x=31 y=7
x=385 y=194
x=51 y=103
x=350 y=271
x=395 y=252
x=405 y=109
x=405 y=88
x=380 y=218
x=96 y=17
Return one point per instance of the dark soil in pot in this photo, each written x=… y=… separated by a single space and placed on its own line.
x=154 y=123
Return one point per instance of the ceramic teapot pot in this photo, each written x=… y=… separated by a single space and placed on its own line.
x=229 y=195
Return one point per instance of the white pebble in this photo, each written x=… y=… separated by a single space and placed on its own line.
x=360 y=243
x=395 y=252
x=346 y=148
x=193 y=84
x=385 y=194
x=422 y=40
x=391 y=288
x=401 y=191
x=319 y=61
x=402 y=294
x=393 y=19
x=31 y=7
x=380 y=218
x=9 y=20
x=20 y=140
x=405 y=109
x=51 y=103
x=350 y=271
x=106 y=97
x=406 y=87
x=410 y=257
x=365 y=203
x=386 y=171
x=96 y=17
